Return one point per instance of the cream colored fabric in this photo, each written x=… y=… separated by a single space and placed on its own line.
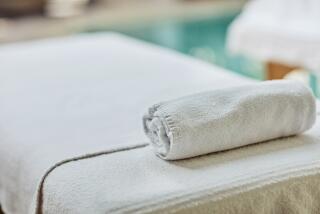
x=67 y=132
x=224 y=119
x=295 y=195
x=281 y=176
x=67 y=97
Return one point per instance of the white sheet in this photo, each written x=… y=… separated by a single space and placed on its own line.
x=282 y=176
x=67 y=97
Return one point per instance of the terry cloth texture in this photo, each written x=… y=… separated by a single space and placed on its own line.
x=71 y=138
x=64 y=98
x=229 y=118
x=282 y=176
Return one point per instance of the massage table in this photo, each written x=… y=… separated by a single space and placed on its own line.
x=72 y=140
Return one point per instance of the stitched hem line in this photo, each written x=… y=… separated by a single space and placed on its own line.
x=39 y=198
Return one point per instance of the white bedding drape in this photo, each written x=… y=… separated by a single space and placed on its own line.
x=78 y=95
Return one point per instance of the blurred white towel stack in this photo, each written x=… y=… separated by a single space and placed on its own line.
x=284 y=31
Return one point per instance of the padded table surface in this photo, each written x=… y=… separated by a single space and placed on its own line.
x=72 y=140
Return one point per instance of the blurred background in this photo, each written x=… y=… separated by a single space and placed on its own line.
x=194 y=27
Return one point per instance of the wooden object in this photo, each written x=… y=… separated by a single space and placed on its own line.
x=277 y=70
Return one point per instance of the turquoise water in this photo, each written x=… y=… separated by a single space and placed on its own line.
x=201 y=38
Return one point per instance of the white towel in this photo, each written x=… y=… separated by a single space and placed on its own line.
x=229 y=118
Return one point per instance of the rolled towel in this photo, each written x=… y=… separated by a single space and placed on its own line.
x=228 y=118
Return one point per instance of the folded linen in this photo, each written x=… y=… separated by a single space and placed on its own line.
x=229 y=118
